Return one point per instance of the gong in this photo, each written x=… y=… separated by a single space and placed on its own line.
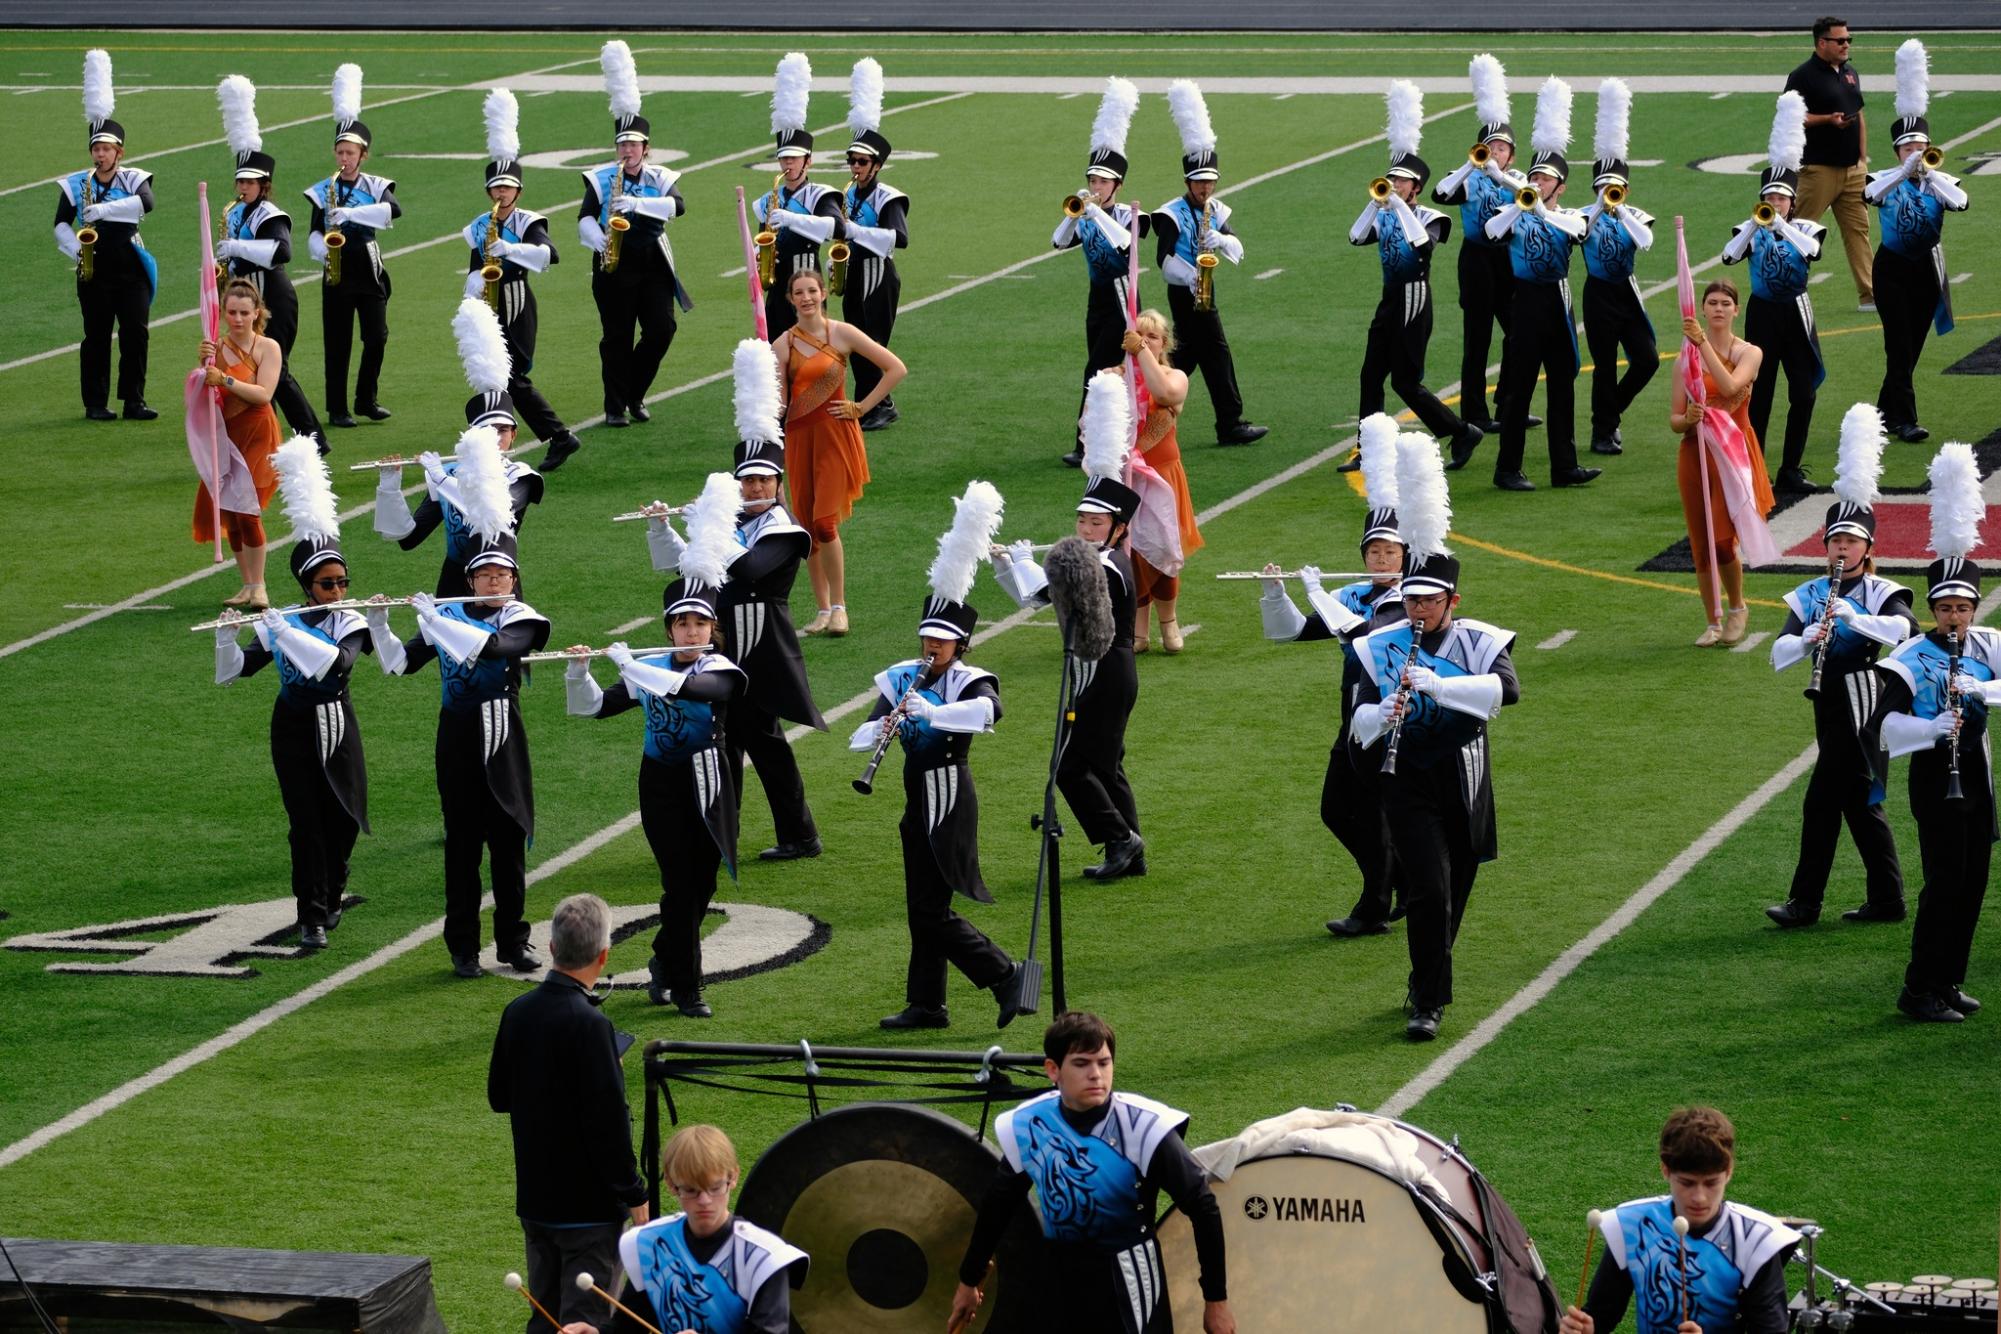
x=882 y=1196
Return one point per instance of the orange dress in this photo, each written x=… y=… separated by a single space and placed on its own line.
x=253 y=429
x=1689 y=479
x=1162 y=451
x=824 y=455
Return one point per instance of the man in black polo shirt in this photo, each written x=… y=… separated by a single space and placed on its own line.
x=1835 y=166
x=555 y=1072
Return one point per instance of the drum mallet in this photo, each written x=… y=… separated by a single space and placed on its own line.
x=1681 y=1235
x=513 y=1281
x=585 y=1283
x=1590 y=1236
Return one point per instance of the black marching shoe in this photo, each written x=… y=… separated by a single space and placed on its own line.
x=918 y=1016
x=1075 y=458
x=312 y=937
x=1422 y=1025
x=1463 y=445
x=691 y=1005
x=1606 y=444
x=789 y=852
x=523 y=959
x=137 y=411
x=881 y=415
x=342 y=420
x=1575 y=476
x=1793 y=913
x=1354 y=464
x=1399 y=910
x=1125 y=857
x=1876 y=912
x=100 y=415
x=1488 y=425
x=616 y=420
x=1532 y=422
x=1928 y=1009
x=1910 y=433
x=334 y=914
x=320 y=442
x=375 y=412
x=1960 y=1001
x=561 y=446
x=466 y=965
x=1793 y=482
x=638 y=412
x=1349 y=927
x=1243 y=433
x=1513 y=481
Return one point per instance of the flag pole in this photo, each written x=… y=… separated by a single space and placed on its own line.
x=750 y=268
x=210 y=310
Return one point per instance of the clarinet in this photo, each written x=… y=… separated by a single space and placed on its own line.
x=1826 y=627
x=1402 y=698
x=1955 y=704
x=892 y=724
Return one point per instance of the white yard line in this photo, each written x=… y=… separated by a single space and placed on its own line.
x=1557 y=640
x=1268 y=273
x=1751 y=642
x=629 y=626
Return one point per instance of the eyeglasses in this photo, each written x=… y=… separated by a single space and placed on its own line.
x=720 y=1190
x=857 y=160
x=331 y=585
x=1839 y=41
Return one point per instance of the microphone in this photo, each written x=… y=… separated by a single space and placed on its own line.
x=1083 y=603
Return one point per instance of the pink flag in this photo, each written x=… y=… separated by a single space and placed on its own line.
x=750 y=267
x=216 y=459
x=1156 y=525
x=1722 y=442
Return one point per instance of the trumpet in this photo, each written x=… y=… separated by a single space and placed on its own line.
x=1527 y=198
x=1294 y=574
x=1834 y=569
x=1613 y=195
x=619 y=225
x=1764 y=214
x=235 y=619
x=1075 y=203
x=489 y=272
x=1379 y=189
x=1479 y=153
x=585 y=651
x=1932 y=159
x=651 y=512
x=891 y=724
x=767 y=238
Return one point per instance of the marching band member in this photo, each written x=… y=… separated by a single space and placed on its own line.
x=1406 y=235
x=486 y=787
x=488 y=366
x=803 y=215
x=1912 y=198
x=1433 y=683
x=1543 y=338
x=1779 y=321
x=935 y=705
x=257 y=245
x=115 y=276
x=1842 y=628
x=686 y=804
x=1731 y=1265
x=1351 y=795
x=623 y=218
x=1483 y=185
x=1185 y=228
x=878 y=221
x=1615 y=314
x=354 y=205
x=1106 y=1156
x=243 y=367
x=1163 y=394
x=517 y=241
x=1092 y=771
x=315 y=738
x=1106 y=231
x=754 y=609
x=1940 y=721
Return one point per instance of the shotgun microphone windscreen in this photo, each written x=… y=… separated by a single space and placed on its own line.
x=1083 y=603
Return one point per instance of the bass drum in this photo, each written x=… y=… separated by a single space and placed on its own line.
x=1339 y=1246
x=882 y=1196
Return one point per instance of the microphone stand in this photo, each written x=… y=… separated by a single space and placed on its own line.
x=1048 y=866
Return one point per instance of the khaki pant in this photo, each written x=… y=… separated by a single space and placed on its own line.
x=1841 y=187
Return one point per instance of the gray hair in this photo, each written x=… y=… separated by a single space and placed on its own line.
x=579 y=930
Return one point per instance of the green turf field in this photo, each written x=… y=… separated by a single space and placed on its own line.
x=136 y=789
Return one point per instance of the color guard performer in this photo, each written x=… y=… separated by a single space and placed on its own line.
x=1937 y=691
x=1106 y=230
x=1779 y=320
x=1615 y=313
x=97 y=227
x=878 y=221
x=623 y=218
x=687 y=805
x=1913 y=198
x=1544 y=337
x=352 y=205
x=1187 y=228
x=754 y=609
x=514 y=241
x=315 y=738
x=1841 y=621
x=935 y=705
x=485 y=784
x=1406 y=234
x=1433 y=683
x=257 y=245
x=1092 y=771
x=1351 y=795
x=802 y=214
x=488 y=367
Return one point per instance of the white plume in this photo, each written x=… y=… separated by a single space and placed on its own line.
x=865 y=96
x=1406 y=128
x=347 y=94
x=1914 y=79
x=1552 y=117
x=1490 y=89
x=238 y=98
x=1191 y=117
x=1424 y=507
x=310 y=503
x=1615 y=115
x=621 y=78
x=1115 y=115
x=712 y=530
x=482 y=476
x=788 y=92
x=976 y=518
x=1788 y=142
x=1957 y=505
x=1379 y=460
x=482 y=348
x=755 y=367
x=1108 y=425
x=503 y=125
x=1859 y=461
x=98 y=99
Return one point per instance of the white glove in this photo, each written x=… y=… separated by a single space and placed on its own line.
x=1944 y=725
x=624 y=204
x=1367 y=723
x=316 y=246
x=1022 y=551
x=422 y=604
x=1177 y=271
x=1844 y=610
x=92 y=212
x=500 y=249
x=433 y=465
x=1813 y=633
x=1117 y=235
x=1311 y=578
x=664 y=544
x=1945 y=190
x=475 y=285
x=225 y=249
x=272 y=620
x=645 y=676
x=1229 y=247
x=582 y=697
x=390 y=654
x=620 y=655
x=1422 y=679
x=591 y=234
x=228 y=655
x=1066 y=231
x=66 y=241
x=918 y=708
x=378 y=624
x=866 y=735
x=1970 y=687
x=338 y=216
x=1283 y=622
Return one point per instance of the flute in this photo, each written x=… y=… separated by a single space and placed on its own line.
x=651 y=512
x=398 y=461
x=1324 y=574
x=582 y=652
x=1001 y=548
x=345 y=604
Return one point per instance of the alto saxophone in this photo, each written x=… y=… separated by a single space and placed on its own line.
x=336 y=239
x=222 y=234
x=1205 y=262
x=619 y=225
x=837 y=257
x=767 y=239
x=86 y=235
x=489 y=271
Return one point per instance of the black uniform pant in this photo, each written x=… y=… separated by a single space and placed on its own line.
x=1614 y=320
x=108 y=300
x=1091 y=1292
x=1779 y=330
x=1200 y=343
x=477 y=825
x=322 y=833
x=1398 y=337
x=518 y=327
x=1957 y=847
x=341 y=308
x=1838 y=791
x=282 y=328
x=1907 y=294
x=556 y=1255
x=625 y=301
x=1436 y=861
x=749 y=730
x=1351 y=808
x=1104 y=334
x=1542 y=340
x=688 y=858
x=938 y=935
x=1486 y=297
x=874 y=290
x=1091 y=774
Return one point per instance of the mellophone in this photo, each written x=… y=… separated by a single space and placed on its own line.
x=235 y=619
x=583 y=651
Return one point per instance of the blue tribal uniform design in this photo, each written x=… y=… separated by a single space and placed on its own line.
x=1485 y=197
x=1610 y=251
x=1088 y=1184
x=712 y=1296
x=1539 y=250
x=296 y=686
x=1107 y=262
x=1640 y=1238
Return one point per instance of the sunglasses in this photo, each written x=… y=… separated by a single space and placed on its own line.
x=331 y=585
x=1839 y=41
x=857 y=160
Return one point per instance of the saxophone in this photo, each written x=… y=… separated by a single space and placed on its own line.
x=222 y=234
x=767 y=239
x=86 y=235
x=619 y=225
x=1205 y=262
x=489 y=271
x=336 y=240
x=837 y=256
